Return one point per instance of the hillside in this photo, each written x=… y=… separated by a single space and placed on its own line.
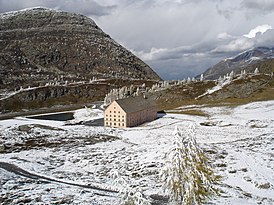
x=40 y=46
x=261 y=57
x=238 y=91
x=62 y=96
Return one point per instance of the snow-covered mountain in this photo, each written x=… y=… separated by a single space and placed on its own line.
x=247 y=60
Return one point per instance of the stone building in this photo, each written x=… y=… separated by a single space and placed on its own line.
x=130 y=112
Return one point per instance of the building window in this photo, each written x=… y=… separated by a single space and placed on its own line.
x=114 y=116
x=118 y=111
x=114 y=124
x=114 y=111
x=109 y=111
x=114 y=107
x=114 y=119
x=106 y=115
x=110 y=123
x=119 y=124
x=123 y=124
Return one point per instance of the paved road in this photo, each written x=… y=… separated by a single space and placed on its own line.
x=21 y=172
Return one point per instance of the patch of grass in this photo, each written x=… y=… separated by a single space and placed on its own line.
x=190 y=112
x=180 y=95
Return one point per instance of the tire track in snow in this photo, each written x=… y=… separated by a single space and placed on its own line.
x=21 y=172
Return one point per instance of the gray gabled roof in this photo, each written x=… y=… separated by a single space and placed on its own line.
x=135 y=104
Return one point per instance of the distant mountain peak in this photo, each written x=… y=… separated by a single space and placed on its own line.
x=257 y=52
x=239 y=62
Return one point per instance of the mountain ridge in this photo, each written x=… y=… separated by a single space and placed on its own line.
x=40 y=45
x=242 y=61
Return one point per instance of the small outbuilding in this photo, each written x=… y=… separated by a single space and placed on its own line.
x=130 y=112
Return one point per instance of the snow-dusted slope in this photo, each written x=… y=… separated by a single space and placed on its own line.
x=239 y=141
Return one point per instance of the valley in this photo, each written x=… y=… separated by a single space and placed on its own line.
x=68 y=159
x=59 y=71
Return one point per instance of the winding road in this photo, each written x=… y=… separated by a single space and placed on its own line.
x=21 y=172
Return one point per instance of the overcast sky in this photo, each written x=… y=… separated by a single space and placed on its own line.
x=177 y=38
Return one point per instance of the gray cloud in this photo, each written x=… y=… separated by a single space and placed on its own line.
x=262 y=5
x=265 y=40
x=227 y=13
x=184 y=61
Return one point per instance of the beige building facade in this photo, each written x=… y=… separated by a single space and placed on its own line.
x=130 y=112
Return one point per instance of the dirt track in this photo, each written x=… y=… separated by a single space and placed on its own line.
x=21 y=172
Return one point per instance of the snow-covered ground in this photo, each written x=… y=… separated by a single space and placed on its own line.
x=239 y=142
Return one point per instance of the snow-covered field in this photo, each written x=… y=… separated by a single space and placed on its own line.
x=239 y=142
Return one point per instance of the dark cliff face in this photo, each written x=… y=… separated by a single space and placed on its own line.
x=54 y=95
x=39 y=46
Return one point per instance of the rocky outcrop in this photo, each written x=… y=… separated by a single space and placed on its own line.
x=54 y=95
x=41 y=45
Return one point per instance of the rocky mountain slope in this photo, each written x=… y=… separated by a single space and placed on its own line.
x=261 y=58
x=62 y=96
x=40 y=46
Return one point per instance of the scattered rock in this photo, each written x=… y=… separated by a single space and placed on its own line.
x=243 y=169
x=208 y=123
x=263 y=186
x=211 y=151
x=159 y=198
x=247 y=178
x=2 y=148
x=247 y=194
x=24 y=128
x=257 y=124
x=65 y=200
x=221 y=165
